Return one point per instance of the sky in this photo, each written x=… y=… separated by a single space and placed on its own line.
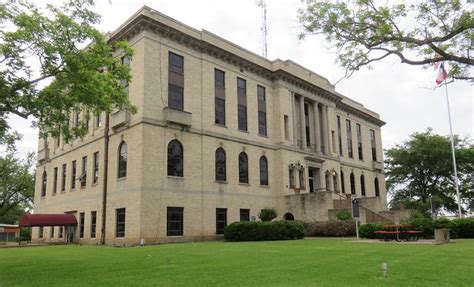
x=403 y=95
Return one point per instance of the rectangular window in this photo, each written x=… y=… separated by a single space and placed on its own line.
x=95 y=173
x=175 y=81
x=58 y=139
x=98 y=121
x=174 y=225
x=81 y=224
x=359 y=141
x=333 y=139
x=306 y=125
x=302 y=179
x=287 y=127
x=55 y=183
x=242 y=104
x=245 y=215
x=84 y=171
x=219 y=90
x=262 y=111
x=78 y=119
x=51 y=232
x=63 y=178
x=93 y=223
x=372 y=144
x=221 y=220
x=40 y=232
x=125 y=84
x=292 y=173
x=339 y=135
x=60 y=231
x=120 y=222
x=349 y=138
x=73 y=174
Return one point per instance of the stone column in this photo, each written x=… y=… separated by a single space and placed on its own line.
x=294 y=118
x=303 y=132
x=317 y=126
x=325 y=138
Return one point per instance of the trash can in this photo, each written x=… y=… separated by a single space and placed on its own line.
x=441 y=236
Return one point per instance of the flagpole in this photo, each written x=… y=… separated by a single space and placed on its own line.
x=454 y=156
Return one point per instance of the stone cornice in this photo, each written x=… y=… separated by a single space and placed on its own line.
x=358 y=113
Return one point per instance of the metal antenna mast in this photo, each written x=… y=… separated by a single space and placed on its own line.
x=263 y=28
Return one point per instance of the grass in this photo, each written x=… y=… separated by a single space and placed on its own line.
x=318 y=262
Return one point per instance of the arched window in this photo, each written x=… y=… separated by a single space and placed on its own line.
x=288 y=217
x=175 y=158
x=353 y=185
x=263 y=170
x=376 y=186
x=362 y=185
x=220 y=165
x=243 y=168
x=343 y=188
x=44 y=181
x=122 y=160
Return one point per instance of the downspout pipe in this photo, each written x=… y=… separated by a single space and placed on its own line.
x=104 y=183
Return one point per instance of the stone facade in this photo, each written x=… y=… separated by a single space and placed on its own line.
x=303 y=140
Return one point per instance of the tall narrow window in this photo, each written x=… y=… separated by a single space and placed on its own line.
x=122 y=160
x=40 y=232
x=93 y=223
x=175 y=158
x=359 y=142
x=58 y=138
x=55 y=183
x=221 y=174
x=95 y=173
x=306 y=125
x=98 y=121
x=60 y=231
x=243 y=168
x=84 y=172
x=244 y=214
x=221 y=220
x=376 y=187
x=339 y=134
x=73 y=174
x=287 y=127
x=372 y=144
x=242 y=104
x=349 y=138
x=292 y=175
x=120 y=222
x=302 y=179
x=362 y=185
x=353 y=185
x=63 y=178
x=125 y=84
x=343 y=187
x=77 y=120
x=174 y=221
x=219 y=94
x=51 y=232
x=44 y=182
x=262 y=111
x=81 y=224
x=263 y=171
x=175 y=81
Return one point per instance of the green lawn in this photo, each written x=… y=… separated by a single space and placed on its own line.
x=317 y=262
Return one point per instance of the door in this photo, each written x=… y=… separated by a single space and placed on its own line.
x=70 y=233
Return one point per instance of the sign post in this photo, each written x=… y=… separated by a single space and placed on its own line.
x=356 y=215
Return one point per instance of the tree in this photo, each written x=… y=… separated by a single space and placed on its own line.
x=422 y=168
x=17 y=186
x=57 y=47
x=421 y=33
x=267 y=214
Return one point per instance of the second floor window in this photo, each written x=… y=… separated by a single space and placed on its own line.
x=339 y=134
x=349 y=138
x=353 y=185
x=175 y=158
x=44 y=182
x=262 y=111
x=175 y=81
x=242 y=104
x=122 y=160
x=359 y=142
x=362 y=185
x=220 y=165
x=263 y=170
x=376 y=187
x=63 y=178
x=95 y=174
x=219 y=86
x=55 y=183
x=373 y=146
x=83 y=178
x=243 y=168
x=73 y=174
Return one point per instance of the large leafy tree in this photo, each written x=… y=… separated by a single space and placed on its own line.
x=17 y=185
x=53 y=62
x=421 y=169
x=420 y=33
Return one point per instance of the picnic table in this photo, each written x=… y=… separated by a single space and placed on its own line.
x=397 y=232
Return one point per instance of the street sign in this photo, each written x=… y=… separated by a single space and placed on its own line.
x=355 y=208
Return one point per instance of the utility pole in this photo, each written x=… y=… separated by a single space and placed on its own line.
x=263 y=27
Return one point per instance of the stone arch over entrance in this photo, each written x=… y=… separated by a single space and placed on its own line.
x=288 y=217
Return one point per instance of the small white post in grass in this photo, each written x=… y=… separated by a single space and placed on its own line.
x=385 y=269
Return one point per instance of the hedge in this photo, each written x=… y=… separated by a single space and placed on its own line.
x=330 y=228
x=258 y=231
x=368 y=230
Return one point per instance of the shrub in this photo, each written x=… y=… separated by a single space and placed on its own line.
x=330 y=228
x=425 y=225
x=343 y=214
x=368 y=230
x=258 y=231
x=267 y=214
x=463 y=227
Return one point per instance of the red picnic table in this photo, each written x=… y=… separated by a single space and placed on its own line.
x=398 y=232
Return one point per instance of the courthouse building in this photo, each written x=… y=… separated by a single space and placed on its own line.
x=219 y=134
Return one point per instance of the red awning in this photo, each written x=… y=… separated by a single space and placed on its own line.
x=28 y=219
